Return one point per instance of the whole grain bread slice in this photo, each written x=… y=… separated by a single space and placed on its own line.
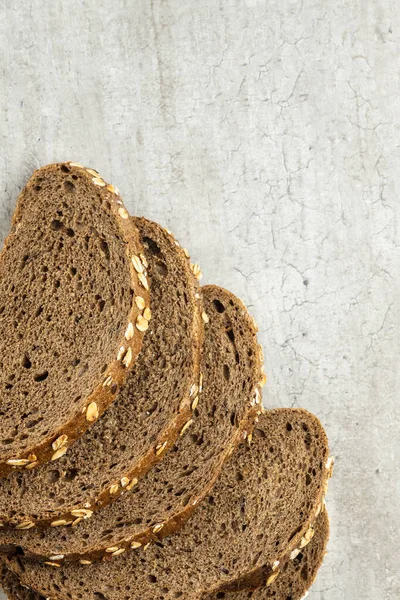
x=293 y=582
x=65 y=276
x=159 y=505
x=294 y=579
x=260 y=512
x=148 y=414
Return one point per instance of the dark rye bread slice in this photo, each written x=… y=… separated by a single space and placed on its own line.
x=230 y=401
x=293 y=582
x=259 y=512
x=148 y=414
x=65 y=276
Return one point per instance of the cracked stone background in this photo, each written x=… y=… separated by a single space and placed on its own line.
x=265 y=134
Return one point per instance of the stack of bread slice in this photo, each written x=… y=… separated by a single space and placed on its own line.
x=136 y=458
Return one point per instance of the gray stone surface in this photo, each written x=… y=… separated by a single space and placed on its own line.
x=265 y=134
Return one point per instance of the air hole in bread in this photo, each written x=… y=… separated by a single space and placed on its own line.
x=65 y=169
x=259 y=433
x=289 y=427
x=194 y=437
x=256 y=557
x=308 y=439
x=106 y=534
x=186 y=499
x=230 y=334
x=219 y=306
x=33 y=423
x=152 y=246
x=69 y=186
x=41 y=376
x=161 y=268
x=56 y=225
x=26 y=363
x=188 y=471
x=303 y=573
x=227 y=373
x=105 y=249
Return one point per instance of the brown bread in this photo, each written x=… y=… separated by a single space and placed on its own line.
x=145 y=419
x=259 y=512
x=65 y=275
x=164 y=499
x=293 y=582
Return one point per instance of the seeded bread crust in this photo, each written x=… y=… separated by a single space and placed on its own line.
x=295 y=579
x=259 y=512
x=149 y=410
x=231 y=360
x=54 y=442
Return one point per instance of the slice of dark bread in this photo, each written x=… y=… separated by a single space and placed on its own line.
x=145 y=419
x=160 y=503
x=259 y=512
x=293 y=582
x=67 y=289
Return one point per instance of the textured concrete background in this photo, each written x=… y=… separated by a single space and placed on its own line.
x=265 y=134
